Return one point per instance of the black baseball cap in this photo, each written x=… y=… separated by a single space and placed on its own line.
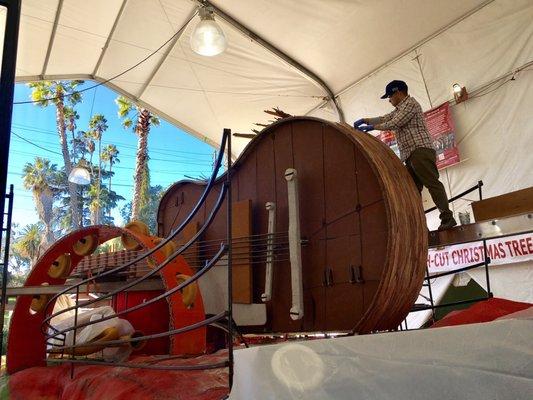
x=394 y=86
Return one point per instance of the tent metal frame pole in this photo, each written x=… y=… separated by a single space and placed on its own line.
x=229 y=238
x=7 y=88
x=109 y=38
x=277 y=52
x=486 y=259
x=52 y=38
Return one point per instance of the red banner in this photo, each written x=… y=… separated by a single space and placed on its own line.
x=442 y=130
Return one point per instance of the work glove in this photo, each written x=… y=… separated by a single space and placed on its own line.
x=358 y=123
x=366 y=128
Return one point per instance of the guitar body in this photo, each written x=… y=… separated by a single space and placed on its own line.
x=363 y=231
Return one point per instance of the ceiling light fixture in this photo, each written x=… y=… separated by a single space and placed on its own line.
x=207 y=38
x=459 y=93
x=80 y=175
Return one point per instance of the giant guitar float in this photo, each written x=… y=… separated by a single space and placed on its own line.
x=328 y=231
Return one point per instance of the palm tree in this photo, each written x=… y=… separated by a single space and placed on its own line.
x=71 y=116
x=144 y=119
x=28 y=243
x=41 y=178
x=60 y=93
x=97 y=126
x=110 y=154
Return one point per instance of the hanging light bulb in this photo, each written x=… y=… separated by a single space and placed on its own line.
x=80 y=174
x=457 y=88
x=208 y=38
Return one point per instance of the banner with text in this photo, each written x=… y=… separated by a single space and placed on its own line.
x=501 y=251
x=442 y=130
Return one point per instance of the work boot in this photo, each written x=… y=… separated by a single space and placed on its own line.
x=447 y=223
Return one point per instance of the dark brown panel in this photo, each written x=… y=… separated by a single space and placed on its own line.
x=308 y=145
x=314 y=309
x=374 y=218
x=368 y=188
x=191 y=255
x=180 y=205
x=246 y=177
x=314 y=261
x=374 y=240
x=344 y=306
x=344 y=303
x=373 y=261
x=339 y=173
x=216 y=233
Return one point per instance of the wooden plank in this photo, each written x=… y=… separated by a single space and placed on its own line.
x=241 y=229
x=518 y=202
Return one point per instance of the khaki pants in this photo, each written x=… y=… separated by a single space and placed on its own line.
x=422 y=166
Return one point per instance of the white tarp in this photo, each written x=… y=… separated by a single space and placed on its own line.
x=480 y=361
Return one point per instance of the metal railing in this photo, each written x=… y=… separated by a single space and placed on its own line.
x=57 y=337
x=427 y=279
x=5 y=262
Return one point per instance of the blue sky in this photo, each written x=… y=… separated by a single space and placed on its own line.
x=173 y=153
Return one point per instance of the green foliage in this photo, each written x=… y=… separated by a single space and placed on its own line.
x=25 y=249
x=129 y=112
x=148 y=214
x=40 y=176
x=54 y=92
x=110 y=154
x=26 y=242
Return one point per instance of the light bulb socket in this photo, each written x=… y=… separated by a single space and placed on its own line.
x=206 y=13
x=459 y=93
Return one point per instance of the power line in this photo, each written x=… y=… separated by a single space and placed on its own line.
x=122 y=144
x=175 y=160
x=33 y=144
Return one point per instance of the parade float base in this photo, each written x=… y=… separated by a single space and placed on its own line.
x=92 y=382
x=490 y=360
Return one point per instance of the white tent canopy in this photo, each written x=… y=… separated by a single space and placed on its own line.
x=340 y=41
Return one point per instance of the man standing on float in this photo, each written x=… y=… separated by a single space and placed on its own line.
x=414 y=141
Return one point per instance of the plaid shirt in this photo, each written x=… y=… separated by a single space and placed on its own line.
x=408 y=124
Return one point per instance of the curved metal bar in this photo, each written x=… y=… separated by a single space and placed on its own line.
x=221 y=364
x=185 y=283
x=118 y=342
x=200 y=202
x=152 y=272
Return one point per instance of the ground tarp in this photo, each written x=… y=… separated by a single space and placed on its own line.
x=492 y=360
